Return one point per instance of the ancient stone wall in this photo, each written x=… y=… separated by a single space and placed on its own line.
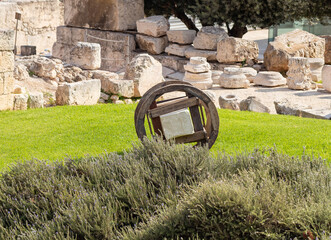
x=38 y=24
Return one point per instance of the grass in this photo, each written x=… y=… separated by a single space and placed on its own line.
x=76 y=131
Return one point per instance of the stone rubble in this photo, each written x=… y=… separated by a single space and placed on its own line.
x=269 y=79
x=299 y=75
x=233 y=78
x=198 y=73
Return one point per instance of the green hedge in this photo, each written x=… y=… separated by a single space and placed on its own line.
x=162 y=191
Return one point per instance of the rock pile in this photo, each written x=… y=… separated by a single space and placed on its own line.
x=152 y=34
x=197 y=72
x=299 y=74
x=233 y=78
x=181 y=40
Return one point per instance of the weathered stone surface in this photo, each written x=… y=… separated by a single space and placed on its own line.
x=208 y=37
x=216 y=76
x=269 y=79
x=6 y=102
x=233 y=78
x=174 y=62
x=230 y=50
x=284 y=107
x=36 y=100
x=86 y=55
x=316 y=65
x=253 y=104
x=6 y=40
x=229 y=102
x=20 y=102
x=197 y=68
x=297 y=43
x=181 y=36
x=183 y=126
x=145 y=72
x=21 y=72
x=327 y=53
x=197 y=76
x=166 y=71
x=326 y=77
x=155 y=26
x=208 y=54
x=202 y=85
x=79 y=93
x=116 y=15
x=152 y=45
x=44 y=68
x=6 y=61
x=249 y=72
x=177 y=50
x=176 y=76
x=299 y=74
x=198 y=60
x=116 y=47
x=6 y=82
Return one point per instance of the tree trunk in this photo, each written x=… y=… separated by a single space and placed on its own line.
x=237 y=31
x=185 y=19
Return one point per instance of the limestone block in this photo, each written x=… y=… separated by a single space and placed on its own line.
x=253 y=104
x=197 y=76
x=233 y=78
x=216 y=76
x=230 y=50
x=249 y=72
x=21 y=72
x=229 y=102
x=6 y=102
x=6 y=82
x=208 y=37
x=21 y=102
x=155 y=26
x=208 y=54
x=79 y=93
x=327 y=53
x=326 y=77
x=36 y=100
x=202 y=85
x=297 y=43
x=44 y=67
x=197 y=68
x=198 y=60
x=104 y=96
x=181 y=36
x=177 y=50
x=106 y=78
x=6 y=61
x=152 y=45
x=269 y=79
x=299 y=74
x=86 y=55
x=6 y=40
x=176 y=76
x=183 y=124
x=115 y=15
x=316 y=66
x=145 y=72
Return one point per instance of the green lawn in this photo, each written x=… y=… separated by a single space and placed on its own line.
x=55 y=133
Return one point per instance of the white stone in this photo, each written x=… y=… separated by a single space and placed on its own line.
x=6 y=82
x=229 y=102
x=177 y=50
x=202 y=85
x=316 y=66
x=269 y=79
x=128 y=101
x=176 y=75
x=36 y=100
x=6 y=40
x=326 y=77
x=233 y=78
x=233 y=71
x=299 y=74
x=249 y=72
x=197 y=76
x=166 y=71
x=44 y=67
x=145 y=72
x=198 y=60
x=6 y=61
x=181 y=36
x=216 y=76
x=230 y=50
x=80 y=93
x=253 y=104
x=155 y=26
x=208 y=37
x=86 y=55
x=6 y=102
x=20 y=102
x=197 y=68
x=183 y=124
x=208 y=54
x=152 y=45
x=21 y=72
x=118 y=102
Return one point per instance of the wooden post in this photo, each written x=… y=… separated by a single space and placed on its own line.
x=18 y=16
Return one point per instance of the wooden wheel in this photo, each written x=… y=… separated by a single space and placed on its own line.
x=202 y=110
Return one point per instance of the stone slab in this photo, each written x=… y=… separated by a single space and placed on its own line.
x=181 y=36
x=116 y=15
x=208 y=54
x=152 y=45
x=155 y=26
x=177 y=50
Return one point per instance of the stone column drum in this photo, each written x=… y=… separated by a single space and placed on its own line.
x=299 y=75
x=198 y=73
x=233 y=78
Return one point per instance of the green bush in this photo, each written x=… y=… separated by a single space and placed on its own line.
x=159 y=191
